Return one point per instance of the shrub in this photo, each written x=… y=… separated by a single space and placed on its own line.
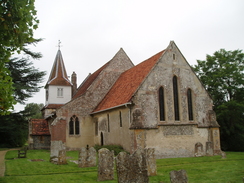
x=116 y=148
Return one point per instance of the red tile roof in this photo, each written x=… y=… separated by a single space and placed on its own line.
x=127 y=84
x=40 y=127
x=58 y=75
x=83 y=87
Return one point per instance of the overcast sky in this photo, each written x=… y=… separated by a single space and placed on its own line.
x=91 y=32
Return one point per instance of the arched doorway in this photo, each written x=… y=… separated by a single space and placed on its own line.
x=101 y=138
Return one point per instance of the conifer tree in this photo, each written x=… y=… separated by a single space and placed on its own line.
x=17 y=22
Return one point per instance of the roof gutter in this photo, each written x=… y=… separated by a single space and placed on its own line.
x=125 y=104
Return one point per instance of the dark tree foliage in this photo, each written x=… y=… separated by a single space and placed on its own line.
x=25 y=77
x=13 y=130
x=33 y=111
x=14 y=126
x=223 y=76
x=17 y=22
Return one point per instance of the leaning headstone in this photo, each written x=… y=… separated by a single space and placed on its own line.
x=151 y=161
x=198 y=149
x=209 y=149
x=87 y=157
x=178 y=176
x=223 y=155
x=56 y=146
x=132 y=168
x=105 y=165
x=62 y=157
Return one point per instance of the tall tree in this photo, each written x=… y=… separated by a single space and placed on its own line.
x=17 y=22
x=25 y=77
x=223 y=76
x=33 y=111
x=13 y=130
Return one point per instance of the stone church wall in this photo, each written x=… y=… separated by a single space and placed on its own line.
x=74 y=142
x=114 y=126
x=176 y=141
x=146 y=99
x=171 y=138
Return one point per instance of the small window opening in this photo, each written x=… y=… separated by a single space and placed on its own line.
x=120 y=119
x=108 y=123
x=60 y=92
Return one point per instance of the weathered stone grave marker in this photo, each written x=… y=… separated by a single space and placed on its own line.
x=209 y=148
x=223 y=155
x=178 y=176
x=87 y=157
x=56 y=146
x=62 y=157
x=151 y=161
x=198 y=149
x=132 y=168
x=105 y=165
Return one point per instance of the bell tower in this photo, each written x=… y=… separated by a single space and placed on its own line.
x=58 y=87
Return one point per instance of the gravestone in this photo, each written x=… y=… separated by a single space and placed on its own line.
x=56 y=146
x=132 y=168
x=105 y=165
x=209 y=149
x=87 y=157
x=62 y=157
x=178 y=176
x=198 y=149
x=151 y=161
x=223 y=155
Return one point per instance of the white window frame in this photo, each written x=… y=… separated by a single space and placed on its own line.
x=60 y=92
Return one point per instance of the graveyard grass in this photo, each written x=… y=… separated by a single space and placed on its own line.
x=199 y=169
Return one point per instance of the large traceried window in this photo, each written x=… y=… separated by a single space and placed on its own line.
x=176 y=98
x=74 y=126
x=161 y=104
x=189 y=101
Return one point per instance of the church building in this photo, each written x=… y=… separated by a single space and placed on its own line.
x=159 y=103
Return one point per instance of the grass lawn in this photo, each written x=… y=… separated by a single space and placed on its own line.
x=199 y=170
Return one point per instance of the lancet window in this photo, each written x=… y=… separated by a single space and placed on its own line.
x=161 y=104
x=74 y=126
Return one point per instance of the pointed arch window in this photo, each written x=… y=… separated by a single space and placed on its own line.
x=176 y=98
x=74 y=126
x=189 y=101
x=161 y=104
